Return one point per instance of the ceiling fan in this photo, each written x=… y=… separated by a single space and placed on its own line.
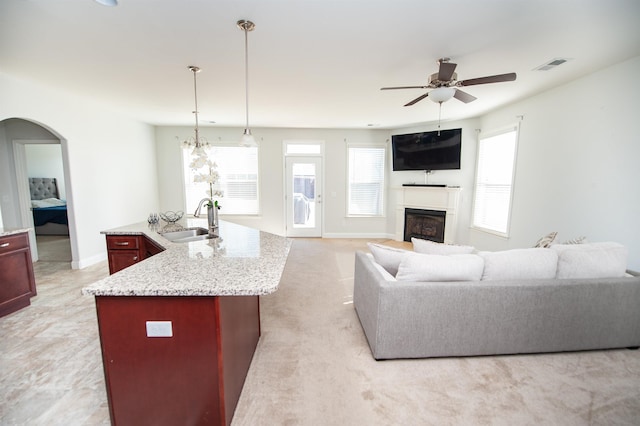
x=445 y=84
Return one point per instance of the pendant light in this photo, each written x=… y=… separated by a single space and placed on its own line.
x=247 y=138
x=197 y=143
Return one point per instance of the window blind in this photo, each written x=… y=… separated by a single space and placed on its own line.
x=494 y=181
x=238 y=179
x=366 y=181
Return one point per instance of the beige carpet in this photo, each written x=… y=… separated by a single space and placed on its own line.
x=313 y=365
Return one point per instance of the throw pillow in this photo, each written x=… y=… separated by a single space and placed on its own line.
x=546 y=241
x=434 y=267
x=431 y=247
x=387 y=257
x=592 y=260
x=577 y=240
x=530 y=263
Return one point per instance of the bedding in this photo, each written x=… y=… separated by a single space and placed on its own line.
x=49 y=211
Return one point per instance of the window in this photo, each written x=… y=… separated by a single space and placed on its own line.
x=366 y=181
x=238 y=180
x=494 y=181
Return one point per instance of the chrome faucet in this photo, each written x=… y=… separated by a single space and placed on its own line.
x=212 y=214
x=197 y=212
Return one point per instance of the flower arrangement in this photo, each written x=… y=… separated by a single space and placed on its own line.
x=209 y=175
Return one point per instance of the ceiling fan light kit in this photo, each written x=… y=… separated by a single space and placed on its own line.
x=442 y=94
x=444 y=84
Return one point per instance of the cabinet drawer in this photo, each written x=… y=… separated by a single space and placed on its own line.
x=122 y=242
x=13 y=242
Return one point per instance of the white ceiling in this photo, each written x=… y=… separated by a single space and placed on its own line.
x=312 y=63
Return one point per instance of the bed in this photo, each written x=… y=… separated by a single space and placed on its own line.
x=49 y=211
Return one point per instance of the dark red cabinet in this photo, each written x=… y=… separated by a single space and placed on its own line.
x=17 y=282
x=193 y=377
x=126 y=250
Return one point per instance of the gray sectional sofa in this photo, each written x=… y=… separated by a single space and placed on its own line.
x=418 y=319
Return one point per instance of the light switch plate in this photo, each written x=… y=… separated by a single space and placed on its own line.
x=159 y=329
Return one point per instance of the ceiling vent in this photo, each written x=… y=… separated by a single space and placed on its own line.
x=551 y=64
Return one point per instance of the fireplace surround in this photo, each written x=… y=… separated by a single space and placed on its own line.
x=424 y=224
x=443 y=200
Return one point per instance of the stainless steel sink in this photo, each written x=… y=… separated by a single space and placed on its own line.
x=187 y=235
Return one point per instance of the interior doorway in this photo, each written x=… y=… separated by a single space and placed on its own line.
x=31 y=150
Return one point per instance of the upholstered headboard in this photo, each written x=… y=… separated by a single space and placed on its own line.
x=42 y=188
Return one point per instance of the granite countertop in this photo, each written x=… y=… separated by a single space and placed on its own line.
x=10 y=231
x=241 y=262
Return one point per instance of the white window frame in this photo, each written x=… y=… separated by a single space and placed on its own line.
x=294 y=142
x=484 y=137
x=221 y=200
x=382 y=212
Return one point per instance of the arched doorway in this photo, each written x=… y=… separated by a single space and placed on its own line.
x=28 y=149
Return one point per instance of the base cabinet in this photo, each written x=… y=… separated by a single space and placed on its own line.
x=126 y=250
x=17 y=282
x=172 y=360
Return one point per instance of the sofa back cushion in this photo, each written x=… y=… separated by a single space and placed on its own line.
x=529 y=263
x=433 y=267
x=387 y=257
x=431 y=247
x=591 y=260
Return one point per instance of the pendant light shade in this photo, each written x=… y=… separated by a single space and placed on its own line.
x=247 y=138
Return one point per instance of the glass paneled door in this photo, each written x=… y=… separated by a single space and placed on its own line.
x=304 y=196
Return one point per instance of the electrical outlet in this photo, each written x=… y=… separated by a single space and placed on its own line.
x=159 y=329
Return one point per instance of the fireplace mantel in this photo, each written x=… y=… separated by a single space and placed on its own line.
x=429 y=198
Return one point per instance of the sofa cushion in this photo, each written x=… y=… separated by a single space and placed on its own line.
x=591 y=260
x=385 y=274
x=431 y=247
x=433 y=267
x=387 y=257
x=529 y=263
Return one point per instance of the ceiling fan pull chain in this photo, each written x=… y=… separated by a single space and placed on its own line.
x=439 y=116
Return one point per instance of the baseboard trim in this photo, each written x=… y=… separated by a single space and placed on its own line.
x=85 y=263
x=350 y=235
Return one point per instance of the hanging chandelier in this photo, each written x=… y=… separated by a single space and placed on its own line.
x=247 y=138
x=197 y=143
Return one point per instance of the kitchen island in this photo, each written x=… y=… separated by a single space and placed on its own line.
x=179 y=329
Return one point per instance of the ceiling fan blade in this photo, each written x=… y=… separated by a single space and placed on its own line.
x=418 y=99
x=464 y=96
x=404 y=87
x=446 y=71
x=490 y=79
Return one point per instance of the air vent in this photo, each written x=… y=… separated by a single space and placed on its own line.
x=551 y=64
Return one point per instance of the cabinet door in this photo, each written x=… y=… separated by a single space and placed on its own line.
x=17 y=283
x=120 y=259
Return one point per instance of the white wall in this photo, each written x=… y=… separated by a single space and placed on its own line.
x=111 y=171
x=46 y=161
x=271 y=219
x=577 y=166
x=464 y=178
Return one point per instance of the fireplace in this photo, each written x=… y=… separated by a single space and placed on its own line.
x=424 y=224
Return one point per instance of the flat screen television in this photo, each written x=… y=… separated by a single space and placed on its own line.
x=427 y=150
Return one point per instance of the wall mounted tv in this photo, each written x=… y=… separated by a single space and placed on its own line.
x=427 y=150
